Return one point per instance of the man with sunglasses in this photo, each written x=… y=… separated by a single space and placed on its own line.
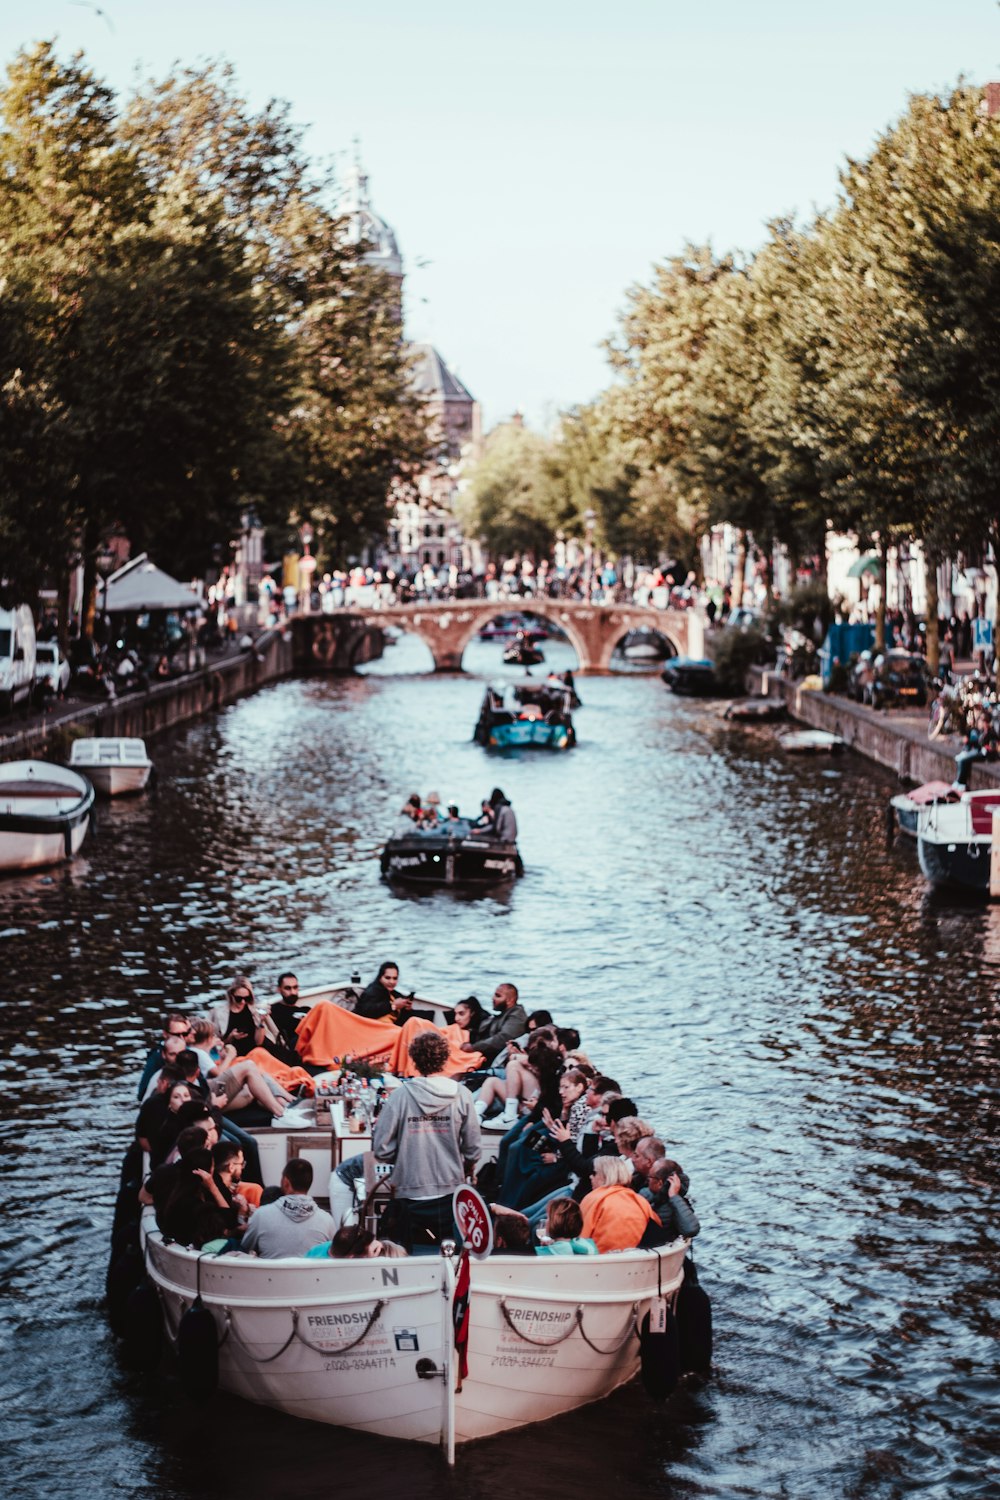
x=174 y=1026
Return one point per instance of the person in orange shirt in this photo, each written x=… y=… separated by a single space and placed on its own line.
x=614 y=1217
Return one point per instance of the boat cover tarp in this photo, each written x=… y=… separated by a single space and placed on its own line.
x=329 y=1031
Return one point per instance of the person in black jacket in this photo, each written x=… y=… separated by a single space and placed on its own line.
x=380 y=999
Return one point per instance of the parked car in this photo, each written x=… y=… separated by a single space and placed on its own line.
x=52 y=671
x=891 y=677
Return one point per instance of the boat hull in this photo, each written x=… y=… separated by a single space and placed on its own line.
x=119 y=781
x=349 y=1354
x=955 y=839
x=424 y=860
x=961 y=866
x=528 y=733
x=44 y=814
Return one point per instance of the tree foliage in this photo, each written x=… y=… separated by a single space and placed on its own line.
x=184 y=326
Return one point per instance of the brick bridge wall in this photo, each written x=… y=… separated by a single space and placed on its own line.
x=338 y=641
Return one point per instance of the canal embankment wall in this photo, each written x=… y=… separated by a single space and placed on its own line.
x=163 y=705
x=893 y=738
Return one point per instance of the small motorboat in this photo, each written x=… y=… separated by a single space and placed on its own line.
x=523 y=652
x=906 y=805
x=526 y=714
x=433 y=858
x=644 y=645
x=811 y=742
x=692 y=675
x=756 y=710
x=44 y=813
x=955 y=841
x=116 y=767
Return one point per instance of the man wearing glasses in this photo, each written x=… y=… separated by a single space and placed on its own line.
x=174 y=1026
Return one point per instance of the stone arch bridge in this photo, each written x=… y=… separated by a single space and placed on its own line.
x=340 y=640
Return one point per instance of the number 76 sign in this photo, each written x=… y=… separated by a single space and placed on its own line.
x=472 y=1218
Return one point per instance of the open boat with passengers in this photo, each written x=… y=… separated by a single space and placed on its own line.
x=44 y=814
x=428 y=850
x=384 y=1346
x=523 y=651
x=527 y=714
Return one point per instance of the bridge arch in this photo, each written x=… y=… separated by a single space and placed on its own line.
x=501 y=607
x=333 y=641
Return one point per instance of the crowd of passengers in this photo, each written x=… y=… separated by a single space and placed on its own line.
x=578 y=1172
x=496 y=818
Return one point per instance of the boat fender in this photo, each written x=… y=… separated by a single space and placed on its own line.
x=659 y=1355
x=198 y=1351
x=143 y=1341
x=125 y=1272
x=694 y=1324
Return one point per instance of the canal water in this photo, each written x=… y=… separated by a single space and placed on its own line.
x=814 y=1034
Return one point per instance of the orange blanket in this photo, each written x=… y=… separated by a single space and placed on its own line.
x=328 y=1031
x=289 y=1077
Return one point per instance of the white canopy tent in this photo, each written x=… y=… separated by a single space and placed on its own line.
x=140 y=586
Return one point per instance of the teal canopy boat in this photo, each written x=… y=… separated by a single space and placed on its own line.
x=528 y=714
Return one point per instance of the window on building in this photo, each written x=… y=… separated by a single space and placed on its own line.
x=441 y=529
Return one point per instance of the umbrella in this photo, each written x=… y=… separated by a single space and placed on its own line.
x=140 y=586
x=864 y=565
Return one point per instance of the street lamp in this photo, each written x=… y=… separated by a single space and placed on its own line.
x=589 y=518
x=307 y=566
x=104 y=563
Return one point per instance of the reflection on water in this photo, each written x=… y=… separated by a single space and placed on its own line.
x=813 y=1033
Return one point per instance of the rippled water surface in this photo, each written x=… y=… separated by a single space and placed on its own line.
x=815 y=1035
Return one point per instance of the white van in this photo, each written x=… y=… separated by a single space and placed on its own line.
x=17 y=656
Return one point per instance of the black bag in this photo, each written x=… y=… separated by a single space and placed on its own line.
x=694 y=1323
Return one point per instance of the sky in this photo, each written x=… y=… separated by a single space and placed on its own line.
x=538 y=159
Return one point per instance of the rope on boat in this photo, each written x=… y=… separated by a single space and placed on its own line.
x=297 y=1333
x=576 y=1322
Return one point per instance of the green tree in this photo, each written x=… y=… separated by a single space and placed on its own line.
x=506 y=501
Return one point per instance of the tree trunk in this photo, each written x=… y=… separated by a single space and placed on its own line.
x=931 y=591
x=995 y=540
x=739 y=571
x=883 y=582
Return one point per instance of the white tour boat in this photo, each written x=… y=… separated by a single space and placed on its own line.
x=370 y=1344
x=44 y=813
x=115 y=766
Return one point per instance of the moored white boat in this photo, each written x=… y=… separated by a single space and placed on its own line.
x=811 y=742
x=115 y=766
x=955 y=841
x=44 y=814
x=370 y=1344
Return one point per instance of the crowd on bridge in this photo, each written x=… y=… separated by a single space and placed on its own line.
x=578 y=1170
x=516 y=580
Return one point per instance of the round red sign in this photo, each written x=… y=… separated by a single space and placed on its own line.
x=473 y=1220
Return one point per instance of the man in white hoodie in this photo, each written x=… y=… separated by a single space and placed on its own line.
x=294 y=1223
x=429 y=1131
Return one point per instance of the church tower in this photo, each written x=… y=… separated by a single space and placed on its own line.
x=365 y=226
x=423 y=531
